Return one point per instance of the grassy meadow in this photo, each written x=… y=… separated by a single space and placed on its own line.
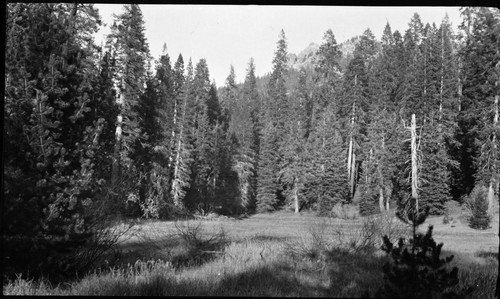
x=279 y=254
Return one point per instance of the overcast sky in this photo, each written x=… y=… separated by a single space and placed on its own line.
x=232 y=34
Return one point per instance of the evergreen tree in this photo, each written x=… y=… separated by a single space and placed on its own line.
x=273 y=119
x=249 y=154
x=325 y=184
x=128 y=44
x=354 y=110
x=51 y=137
x=181 y=164
x=478 y=118
x=294 y=168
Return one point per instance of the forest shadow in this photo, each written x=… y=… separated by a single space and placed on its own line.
x=268 y=280
x=349 y=277
x=487 y=254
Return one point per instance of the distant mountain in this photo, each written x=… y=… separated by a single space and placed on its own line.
x=304 y=59
x=307 y=57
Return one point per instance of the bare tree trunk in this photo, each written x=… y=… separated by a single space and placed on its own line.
x=414 y=169
x=115 y=167
x=351 y=158
x=172 y=140
x=381 y=199
x=353 y=174
x=442 y=75
x=387 y=208
x=175 y=181
x=459 y=91
x=296 y=195
x=494 y=175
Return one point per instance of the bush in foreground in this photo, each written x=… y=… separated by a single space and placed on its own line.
x=417 y=271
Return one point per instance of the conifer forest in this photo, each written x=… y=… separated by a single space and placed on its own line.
x=98 y=132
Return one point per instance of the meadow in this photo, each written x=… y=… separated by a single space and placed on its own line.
x=278 y=254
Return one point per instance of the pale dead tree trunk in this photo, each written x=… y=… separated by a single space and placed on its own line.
x=380 y=189
x=353 y=173
x=381 y=198
x=459 y=86
x=172 y=140
x=370 y=159
x=115 y=167
x=176 y=185
x=425 y=70
x=351 y=159
x=382 y=184
x=296 y=194
x=414 y=169
x=494 y=176
x=387 y=208
x=323 y=141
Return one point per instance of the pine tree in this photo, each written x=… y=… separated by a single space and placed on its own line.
x=273 y=119
x=479 y=104
x=325 y=184
x=419 y=272
x=293 y=170
x=250 y=102
x=156 y=113
x=51 y=137
x=181 y=177
x=241 y=132
x=354 y=105
x=131 y=53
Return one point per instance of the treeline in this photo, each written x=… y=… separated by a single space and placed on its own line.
x=94 y=131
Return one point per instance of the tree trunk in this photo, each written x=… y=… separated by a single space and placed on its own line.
x=296 y=195
x=351 y=159
x=442 y=75
x=387 y=208
x=414 y=169
x=381 y=199
x=175 y=181
x=115 y=167
x=172 y=140
x=353 y=173
x=494 y=175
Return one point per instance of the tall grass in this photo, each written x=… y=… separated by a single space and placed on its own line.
x=325 y=261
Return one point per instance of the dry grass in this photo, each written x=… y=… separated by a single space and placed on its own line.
x=280 y=254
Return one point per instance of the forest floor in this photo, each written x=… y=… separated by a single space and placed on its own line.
x=278 y=254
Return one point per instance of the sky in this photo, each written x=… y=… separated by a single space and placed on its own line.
x=232 y=34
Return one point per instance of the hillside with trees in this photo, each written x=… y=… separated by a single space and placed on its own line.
x=97 y=133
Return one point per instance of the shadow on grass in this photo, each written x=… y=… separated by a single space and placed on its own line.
x=487 y=254
x=179 y=250
x=348 y=277
x=266 y=238
x=267 y=281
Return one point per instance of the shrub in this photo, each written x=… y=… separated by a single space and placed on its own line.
x=198 y=245
x=417 y=271
x=345 y=211
x=447 y=218
x=368 y=204
x=385 y=224
x=477 y=206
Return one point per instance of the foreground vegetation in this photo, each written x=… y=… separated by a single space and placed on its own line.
x=280 y=254
x=92 y=133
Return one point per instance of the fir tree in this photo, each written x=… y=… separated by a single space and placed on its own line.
x=274 y=110
x=128 y=44
x=51 y=137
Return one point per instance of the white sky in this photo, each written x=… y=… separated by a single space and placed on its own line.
x=232 y=34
